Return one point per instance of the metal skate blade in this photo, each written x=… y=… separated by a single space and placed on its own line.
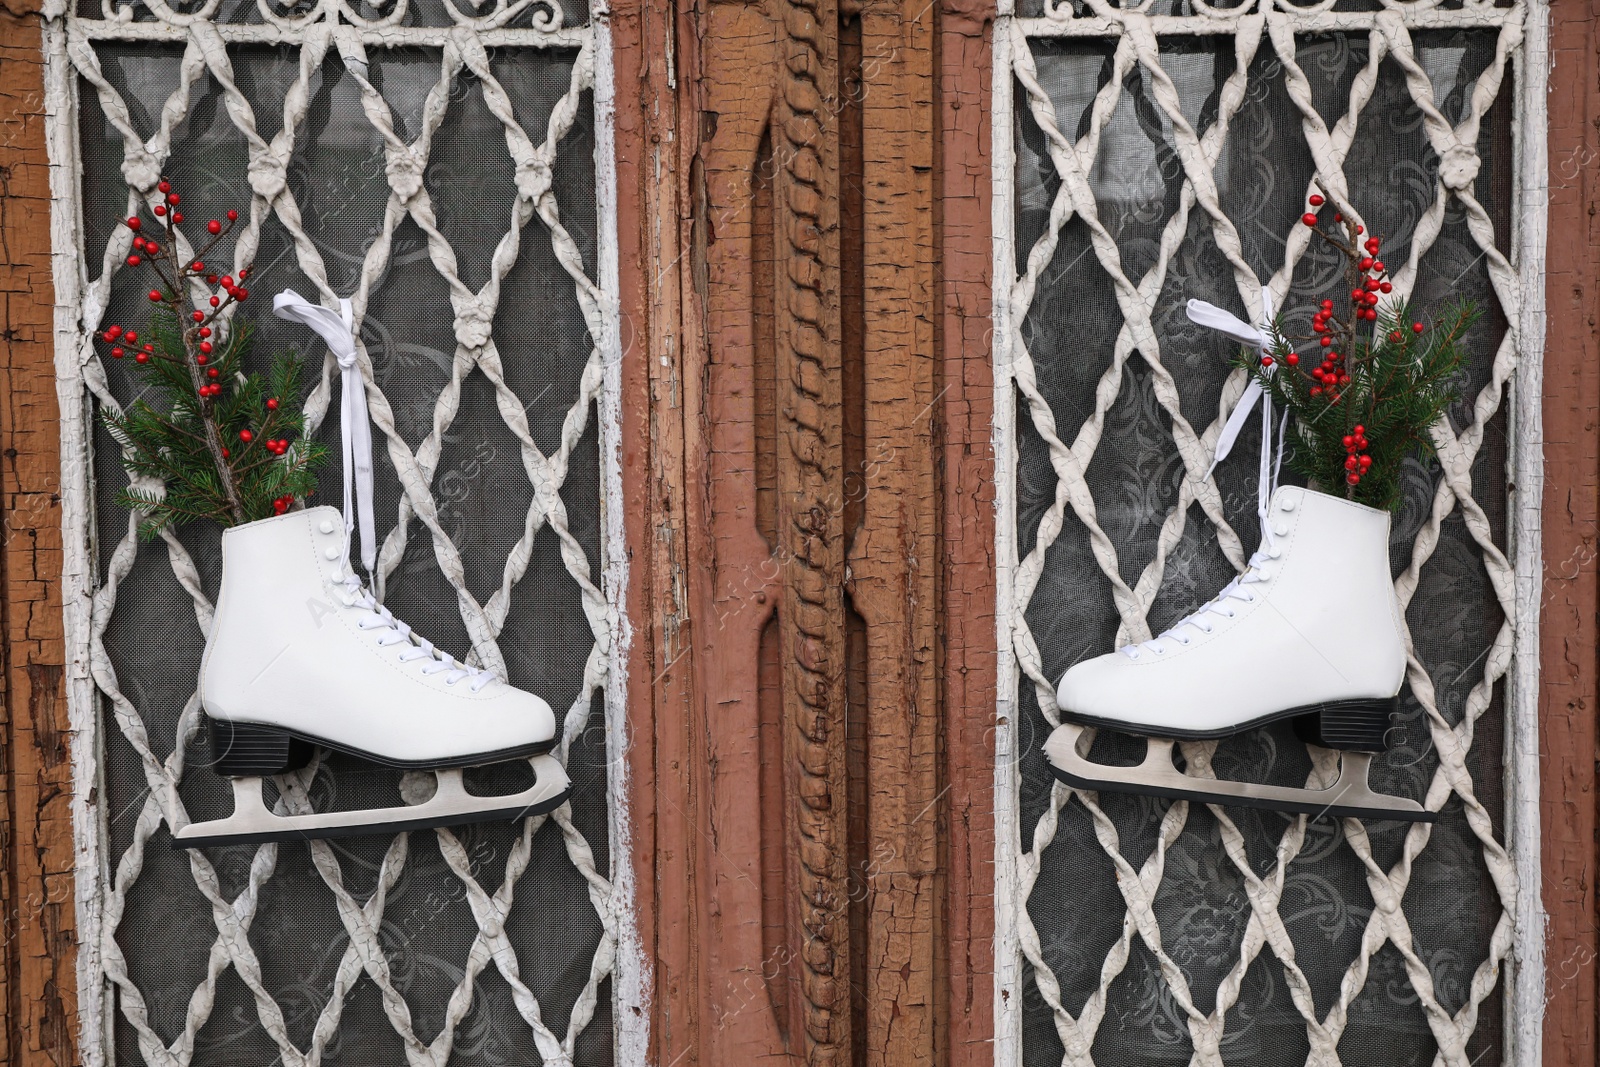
x=451 y=805
x=1157 y=777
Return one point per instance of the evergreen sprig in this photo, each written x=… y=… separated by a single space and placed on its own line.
x=227 y=445
x=1384 y=381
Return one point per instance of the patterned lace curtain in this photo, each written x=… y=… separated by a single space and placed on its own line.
x=437 y=164
x=1166 y=154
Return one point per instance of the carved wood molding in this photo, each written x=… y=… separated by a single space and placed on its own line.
x=810 y=513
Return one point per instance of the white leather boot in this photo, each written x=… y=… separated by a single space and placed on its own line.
x=300 y=654
x=1310 y=631
x=299 y=649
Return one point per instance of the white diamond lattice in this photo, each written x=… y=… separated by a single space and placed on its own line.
x=1134 y=40
x=348 y=30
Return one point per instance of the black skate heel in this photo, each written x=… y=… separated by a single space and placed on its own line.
x=1355 y=725
x=247 y=750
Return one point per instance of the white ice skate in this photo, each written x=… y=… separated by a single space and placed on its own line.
x=300 y=654
x=1311 y=631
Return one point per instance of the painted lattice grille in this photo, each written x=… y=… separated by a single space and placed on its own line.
x=1146 y=157
x=440 y=165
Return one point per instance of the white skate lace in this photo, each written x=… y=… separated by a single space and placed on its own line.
x=432 y=660
x=1257 y=571
x=355 y=428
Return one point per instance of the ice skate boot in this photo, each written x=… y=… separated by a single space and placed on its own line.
x=1311 y=631
x=300 y=654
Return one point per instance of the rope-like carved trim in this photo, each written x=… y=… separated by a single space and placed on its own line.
x=809 y=519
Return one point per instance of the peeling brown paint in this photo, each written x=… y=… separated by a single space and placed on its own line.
x=38 y=980
x=1569 y=740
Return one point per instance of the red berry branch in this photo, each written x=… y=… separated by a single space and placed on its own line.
x=221 y=442
x=1382 y=382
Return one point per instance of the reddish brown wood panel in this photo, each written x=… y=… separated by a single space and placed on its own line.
x=802 y=374
x=39 y=952
x=965 y=408
x=1568 y=740
x=894 y=555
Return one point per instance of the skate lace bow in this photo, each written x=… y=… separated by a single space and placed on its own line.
x=337 y=328
x=1213 y=317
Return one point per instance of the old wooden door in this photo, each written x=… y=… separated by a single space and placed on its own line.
x=790 y=391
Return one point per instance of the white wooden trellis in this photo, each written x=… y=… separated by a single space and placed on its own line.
x=356 y=34
x=1514 y=963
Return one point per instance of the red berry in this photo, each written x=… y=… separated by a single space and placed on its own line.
x=197 y=315
x=1361 y=442
x=149 y=348
x=1385 y=287
x=1371 y=245
x=151 y=248
x=232 y=215
x=1366 y=262
x=1416 y=327
x=1366 y=464
x=142 y=357
x=227 y=281
x=197 y=266
x=1318 y=326
x=1316 y=390
x=205 y=331
x=1377 y=265
x=165 y=186
x=205 y=346
x=1344 y=379
x=1359 y=429
x=201 y=359
x=1309 y=219
x=1338 y=216
x=1349 y=442
x=213 y=227
x=113 y=332
x=244 y=272
x=177 y=216
x=1327 y=305
x=240 y=294
x=172 y=198
x=159 y=209
x=1316 y=201
x=211 y=279
x=215 y=301
x=1353 y=479
x=245 y=436
x=1292 y=359
x=1360 y=229
x=134 y=261
x=272 y=403
x=1396 y=336
x=224 y=453
x=1326 y=341
x=155 y=296
x=134 y=222
x=1266 y=361
x=1350 y=463
x=212 y=372
x=117 y=353
x=1318 y=373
